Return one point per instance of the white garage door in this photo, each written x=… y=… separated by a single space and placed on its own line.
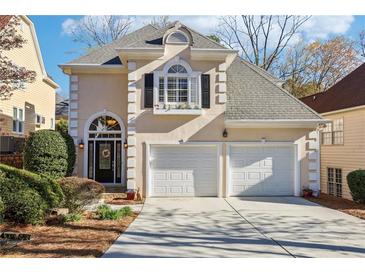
x=183 y=170
x=261 y=171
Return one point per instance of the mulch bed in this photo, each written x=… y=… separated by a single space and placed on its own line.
x=120 y=199
x=87 y=238
x=344 y=205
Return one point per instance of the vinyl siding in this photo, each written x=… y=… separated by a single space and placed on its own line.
x=349 y=156
x=38 y=93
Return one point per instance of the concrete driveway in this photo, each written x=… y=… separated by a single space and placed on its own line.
x=237 y=227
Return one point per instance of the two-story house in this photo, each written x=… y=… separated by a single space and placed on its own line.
x=342 y=140
x=33 y=107
x=173 y=113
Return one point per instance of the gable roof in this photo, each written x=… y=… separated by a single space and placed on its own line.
x=348 y=92
x=252 y=95
x=145 y=37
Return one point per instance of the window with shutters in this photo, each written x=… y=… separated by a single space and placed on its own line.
x=177 y=88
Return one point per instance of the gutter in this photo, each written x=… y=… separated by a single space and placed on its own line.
x=275 y=123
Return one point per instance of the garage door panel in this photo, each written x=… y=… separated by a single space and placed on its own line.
x=187 y=170
x=261 y=171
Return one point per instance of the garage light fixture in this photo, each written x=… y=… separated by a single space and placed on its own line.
x=81 y=144
x=225 y=133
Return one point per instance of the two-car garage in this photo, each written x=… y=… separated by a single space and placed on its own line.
x=185 y=170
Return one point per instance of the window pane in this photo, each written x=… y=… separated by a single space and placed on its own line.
x=161 y=89
x=183 y=90
x=15 y=113
x=21 y=118
x=171 y=89
x=326 y=138
x=177 y=69
x=15 y=122
x=194 y=91
x=91 y=160
x=338 y=137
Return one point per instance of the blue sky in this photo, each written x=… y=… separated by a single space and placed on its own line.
x=57 y=46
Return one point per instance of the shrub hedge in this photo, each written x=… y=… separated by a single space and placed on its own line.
x=2 y=210
x=105 y=212
x=25 y=207
x=80 y=192
x=45 y=152
x=13 y=180
x=356 y=182
x=71 y=152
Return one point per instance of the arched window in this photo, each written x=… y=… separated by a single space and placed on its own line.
x=177 y=69
x=177 y=37
x=105 y=127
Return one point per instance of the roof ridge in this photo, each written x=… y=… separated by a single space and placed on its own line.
x=281 y=89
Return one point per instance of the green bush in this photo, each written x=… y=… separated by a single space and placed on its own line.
x=71 y=153
x=80 y=192
x=13 y=179
x=105 y=212
x=72 y=217
x=356 y=182
x=25 y=207
x=2 y=210
x=45 y=152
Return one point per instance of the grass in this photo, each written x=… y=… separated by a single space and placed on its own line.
x=105 y=212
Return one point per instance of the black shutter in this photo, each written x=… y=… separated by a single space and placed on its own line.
x=205 y=85
x=148 y=90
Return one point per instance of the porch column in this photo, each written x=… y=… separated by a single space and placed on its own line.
x=131 y=139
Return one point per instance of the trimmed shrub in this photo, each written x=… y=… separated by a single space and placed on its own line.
x=25 y=207
x=356 y=182
x=80 y=192
x=105 y=212
x=71 y=153
x=13 y=180
x=45 y=152
x=2 y=210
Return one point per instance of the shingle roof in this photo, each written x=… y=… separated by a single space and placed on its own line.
x=251 y=94
x=145 y=37
x=349 y=92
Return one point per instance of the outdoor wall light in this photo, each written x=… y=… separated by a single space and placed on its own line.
x=125 y=144
x=225 y=133
x=81 y=144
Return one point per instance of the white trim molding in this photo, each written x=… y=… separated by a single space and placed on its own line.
x=280 y=123
x=342 y=110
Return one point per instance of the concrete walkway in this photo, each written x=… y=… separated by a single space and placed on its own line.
x=234 y=227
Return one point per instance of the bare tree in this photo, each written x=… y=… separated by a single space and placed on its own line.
x=315 y=67
x=160 y=22
x=260 y=39
x=12 y=76
x=362 y=43
x=96 y=31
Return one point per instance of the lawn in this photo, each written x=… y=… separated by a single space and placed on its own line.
x=87 y=238
x=344 y=205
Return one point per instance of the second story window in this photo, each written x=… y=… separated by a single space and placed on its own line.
x=177 y=86
x=333 y=133
x=18 y=120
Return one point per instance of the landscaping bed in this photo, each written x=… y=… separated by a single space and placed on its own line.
x=119 y=199
x=343 y=205
x=89 y=237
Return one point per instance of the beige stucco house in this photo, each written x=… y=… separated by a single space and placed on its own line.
x=172 y=113
x=342 y=141
x=33 y=107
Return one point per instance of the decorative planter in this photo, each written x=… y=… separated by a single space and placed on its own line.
x=307 y=193
x=131 y=195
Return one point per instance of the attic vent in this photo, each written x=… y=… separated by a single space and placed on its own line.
x=177 y=37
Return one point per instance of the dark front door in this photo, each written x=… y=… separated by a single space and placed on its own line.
x=104 y=161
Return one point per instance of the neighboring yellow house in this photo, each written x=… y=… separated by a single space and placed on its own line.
x=173 y=113
x=342 y=141
x=31 y=108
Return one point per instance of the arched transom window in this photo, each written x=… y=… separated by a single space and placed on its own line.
x=177 y=37
x=178 y=86
x=105 y=127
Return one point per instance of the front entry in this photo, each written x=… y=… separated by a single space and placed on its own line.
x=104 y=161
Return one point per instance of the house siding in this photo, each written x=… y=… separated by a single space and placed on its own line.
x=349 y=156
x=39 y=94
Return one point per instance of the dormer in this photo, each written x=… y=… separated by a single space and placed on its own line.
x=178 y=35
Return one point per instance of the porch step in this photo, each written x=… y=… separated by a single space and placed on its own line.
x=114 y=189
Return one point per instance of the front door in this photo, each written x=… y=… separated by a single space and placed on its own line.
x=104 y=161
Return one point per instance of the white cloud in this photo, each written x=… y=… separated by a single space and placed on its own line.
x=69 y=25
x=321 y=27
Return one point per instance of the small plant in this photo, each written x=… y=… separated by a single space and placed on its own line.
x=80 y=192
x=72 y=217
x=105 y=212
x=356 y=182
x=307 y=192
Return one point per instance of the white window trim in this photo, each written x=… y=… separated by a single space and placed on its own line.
x=165 y=74
x=332 y=133
x=177 y=43
x=18 y=120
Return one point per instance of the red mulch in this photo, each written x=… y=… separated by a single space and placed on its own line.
x=120 y=199
x=344 y=205
x=87 y=238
